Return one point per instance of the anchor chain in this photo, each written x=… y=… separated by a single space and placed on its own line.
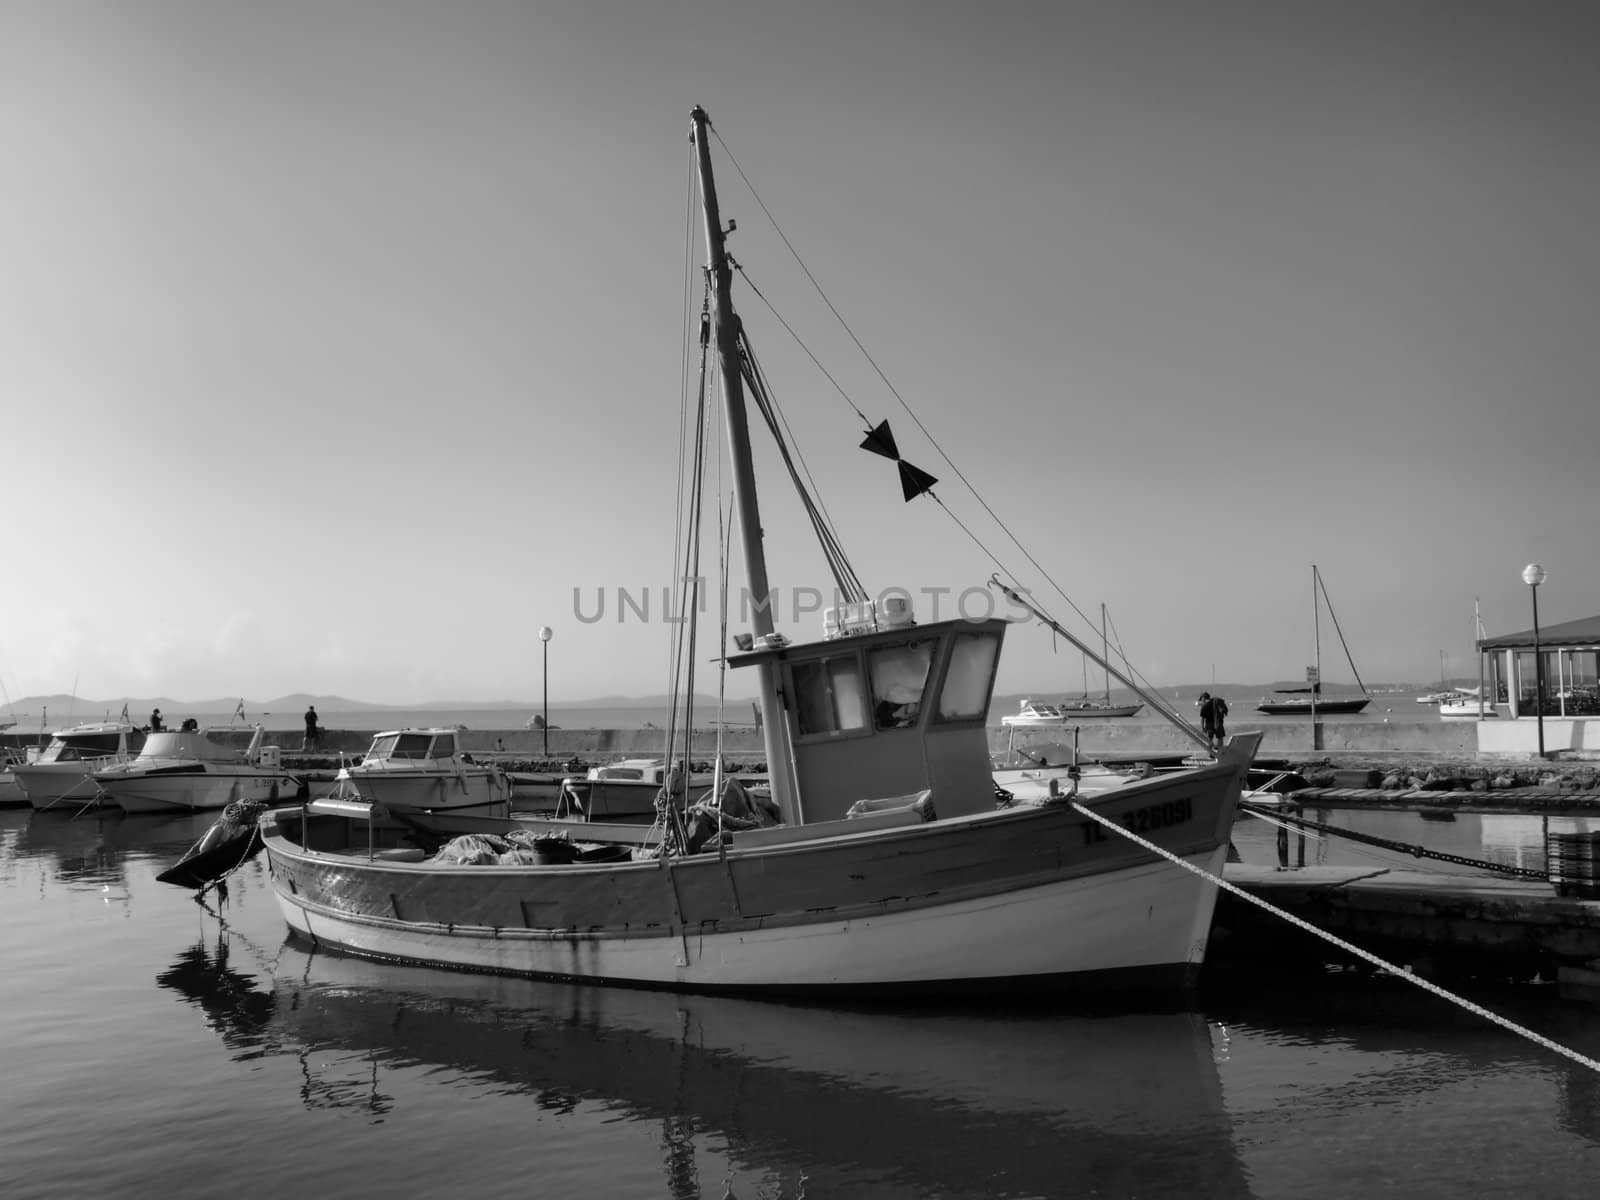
x=1389 y=844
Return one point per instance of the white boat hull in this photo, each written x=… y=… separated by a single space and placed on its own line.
x=477 y=792
x=59 y=785
x=949 y=942
x=197 y=792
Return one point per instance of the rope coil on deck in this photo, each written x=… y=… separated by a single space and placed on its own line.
x=1426 y=985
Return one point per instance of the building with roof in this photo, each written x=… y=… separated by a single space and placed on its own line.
x=1565 y=702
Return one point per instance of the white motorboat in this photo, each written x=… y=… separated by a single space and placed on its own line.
x=11 y=793
x=1467 y=705
x=1033 y=714
x=424 y=769
x=62 y=774
x=195 y=770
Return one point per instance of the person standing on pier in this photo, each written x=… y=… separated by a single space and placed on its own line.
x=1213 y=714
x=313 y=739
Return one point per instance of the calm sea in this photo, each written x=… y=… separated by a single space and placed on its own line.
x=155 y=1047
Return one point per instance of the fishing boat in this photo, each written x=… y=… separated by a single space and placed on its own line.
x=63 y=773
x=195 y=770
x=1309 y=700
x=424 y=769
x=893 y=867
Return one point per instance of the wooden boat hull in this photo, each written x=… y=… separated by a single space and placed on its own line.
x=1030 y=897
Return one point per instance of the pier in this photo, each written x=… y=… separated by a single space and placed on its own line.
x=1443 y=926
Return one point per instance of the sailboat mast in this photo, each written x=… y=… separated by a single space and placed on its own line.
x=773 y=723
x=1105 y=650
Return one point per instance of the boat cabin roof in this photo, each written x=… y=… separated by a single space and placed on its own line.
x=93 y=727
x=215 y=743
x=430 y=742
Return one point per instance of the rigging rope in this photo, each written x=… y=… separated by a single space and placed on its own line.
x=1348 y=947
x=1334 y=617
x=1166 y=710
x=844 y=575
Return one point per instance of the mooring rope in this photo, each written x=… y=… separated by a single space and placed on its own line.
x=1426 y=985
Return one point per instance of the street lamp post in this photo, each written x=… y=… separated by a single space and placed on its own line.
x=1533 y=575
x=545 y=634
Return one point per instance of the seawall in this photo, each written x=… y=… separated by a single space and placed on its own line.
x=1119 y=739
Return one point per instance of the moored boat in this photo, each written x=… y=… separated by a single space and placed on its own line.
x=424 y=769
x=1033 y=714
x=63 y=773
x=894 y=867
x=1468 y=706
x=11 y=793
x=1325 y=706
x=197 y=770
x=1309 y=701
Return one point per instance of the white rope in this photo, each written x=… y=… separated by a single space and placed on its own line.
x=1357 y=951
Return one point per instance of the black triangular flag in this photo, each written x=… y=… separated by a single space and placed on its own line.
x=914 y=481
x=881 y=441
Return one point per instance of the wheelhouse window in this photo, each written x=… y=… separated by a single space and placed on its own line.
x=412 y=745
x=829 y=696
x=970 y=677
x=81 y=746
x=444 y=745
x=899 y=677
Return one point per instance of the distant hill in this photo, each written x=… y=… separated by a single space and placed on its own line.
x=140 y=707
x=61 y=707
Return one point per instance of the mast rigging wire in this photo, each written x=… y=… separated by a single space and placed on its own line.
x=1167 y=710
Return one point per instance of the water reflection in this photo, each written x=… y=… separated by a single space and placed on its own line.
x=1502 y=839
x=933 y=1102
x=93 y=850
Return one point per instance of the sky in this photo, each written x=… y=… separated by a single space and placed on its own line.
x=342 y=345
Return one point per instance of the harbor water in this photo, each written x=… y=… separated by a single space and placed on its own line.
x=155 y=1046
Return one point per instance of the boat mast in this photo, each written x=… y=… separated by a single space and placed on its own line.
x=1316 y=636
x=1105 y=650
x=773 y=723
